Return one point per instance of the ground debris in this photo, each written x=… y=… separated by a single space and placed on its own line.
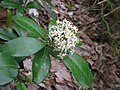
x=96 y=50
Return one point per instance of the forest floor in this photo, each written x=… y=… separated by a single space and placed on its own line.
x=99 y=30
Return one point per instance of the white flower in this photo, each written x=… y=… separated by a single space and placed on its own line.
x=63 y=37
x=34 y=12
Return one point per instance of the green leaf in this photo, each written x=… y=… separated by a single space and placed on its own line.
x=20 y=59
x=23 y=46
x=7 y=34
x=52 y=23
x=20 y=31
x=20 y=11
x=48 y=8
x=8 y=69
x=80 y=69
x=20 y=86
x=20 y=2
x=9 y=19
x=8 y=3
x=1 y=47
x=53 y=53
x=40 y=66
x=32 y=4
x=79 y=43
x=29 y=24
x=31 y=34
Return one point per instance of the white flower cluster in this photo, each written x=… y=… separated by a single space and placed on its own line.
x=63 y=36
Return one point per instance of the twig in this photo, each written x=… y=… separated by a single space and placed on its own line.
x=104 y=79
x=85 y=38
x=94 y=2
x=108 y=14
x=102 y=2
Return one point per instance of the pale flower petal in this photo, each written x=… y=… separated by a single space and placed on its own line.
x=63 y=36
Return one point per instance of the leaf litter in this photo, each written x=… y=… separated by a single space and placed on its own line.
x=104 y=66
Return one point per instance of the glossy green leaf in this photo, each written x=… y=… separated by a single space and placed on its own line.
x=1 y=47
x=7 y=34
x=40 y=66
x=21 y=86
x=80 y=69
x=31 y=34
x=32 y=4
x=20 y=11
x=8 y=69
x=53 y=53
x=20 y=59
x=29 y=24
x=8 y=3
x=48 y=8
x=23 y=46
x=52 y=23
x=20 y=31
x=20 y=2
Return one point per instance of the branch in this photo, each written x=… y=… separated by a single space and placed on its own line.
x=108 y=14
